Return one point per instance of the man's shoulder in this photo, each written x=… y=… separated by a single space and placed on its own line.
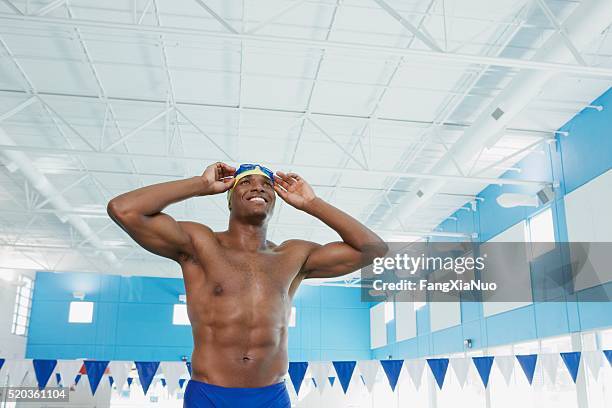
x=197 y=230
x=298 y=244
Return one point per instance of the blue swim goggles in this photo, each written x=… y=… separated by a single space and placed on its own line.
x=252 y=169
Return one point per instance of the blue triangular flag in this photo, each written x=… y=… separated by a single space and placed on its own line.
x=181 y=382
x=297 y=370
x=483 y=365
x=572 y=362
x=528 y=363
x=438 y=368
x=163 y=381
x=43 y=370
x=188 y=367
x=95 y=371
x=129 y=381
x=77 y=379
x=331 y=380
x=1 y=363
x=607 y=353
x=58 y=378
x=111 y=380
x=314 y=382
x=392 y=369
x=146 y=372
x=345 y=372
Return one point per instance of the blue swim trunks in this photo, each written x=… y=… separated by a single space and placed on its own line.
x=202 y=395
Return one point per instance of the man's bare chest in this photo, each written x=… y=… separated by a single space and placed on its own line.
x=229 y=271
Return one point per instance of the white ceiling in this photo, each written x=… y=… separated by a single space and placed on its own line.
x=338 y=91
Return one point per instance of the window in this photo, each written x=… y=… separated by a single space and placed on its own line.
x=541 y=231
x=389 y=312
x=179 y=315
x=81 y=312
x=23 y=304
x=292 y=317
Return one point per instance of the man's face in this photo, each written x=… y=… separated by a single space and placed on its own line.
x=253 y=195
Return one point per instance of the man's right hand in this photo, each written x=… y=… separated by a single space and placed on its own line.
x=217 y=178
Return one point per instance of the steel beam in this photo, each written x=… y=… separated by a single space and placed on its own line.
x=372 y=50
x=294 y=167
x=425 y=39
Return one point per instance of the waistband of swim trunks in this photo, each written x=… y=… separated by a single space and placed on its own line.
x=221 y=388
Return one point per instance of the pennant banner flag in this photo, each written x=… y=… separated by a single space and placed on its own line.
x=369 y=370
x=120 y=371
x=297 y=370
x=77 y=379
x=146 y=372
x=181 y=382
x=95 y=371
x=528 y=364
x=173 y=371
x=460 y=366
x=438 y=367
x=163 y=381
x=129 y=381
x=43 y=370
x=392 y=369
x=593 y=360
x=17 y=371
x=331 y=380
x=483 y=365
x=58 y=378
x=111 y=380
x=320 y=371
x=572 y=362
x=1 y=363
x=68 y=370
x=505 y=364
x=550 y=363
x=415 y=370
x=608 y=354
x=345 y=372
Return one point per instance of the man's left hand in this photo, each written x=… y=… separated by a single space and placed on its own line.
x=293 y=189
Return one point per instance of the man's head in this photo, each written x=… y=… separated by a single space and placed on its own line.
x=252 y=193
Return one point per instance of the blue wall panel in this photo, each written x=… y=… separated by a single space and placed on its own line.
x=133 y=320
x=571 y=161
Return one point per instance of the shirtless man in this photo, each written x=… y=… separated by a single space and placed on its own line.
x=239 y=285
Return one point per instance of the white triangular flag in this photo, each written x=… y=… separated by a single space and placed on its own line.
x=17 y=371
x=119 y=370
x=103 y=392
x=461 y=367
x=415 y=370
x=505 y=364
x=369 y=370
x=82 y=390
x=30 y=377
x=68 y=370
x=593 y=360
x=173 y=370
x=320 y=372
x=550 y=365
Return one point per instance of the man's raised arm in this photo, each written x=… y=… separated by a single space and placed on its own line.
x=359 y=245
x=139 y=212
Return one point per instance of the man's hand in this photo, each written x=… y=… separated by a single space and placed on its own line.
x=293 y=189
x=217 y=178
